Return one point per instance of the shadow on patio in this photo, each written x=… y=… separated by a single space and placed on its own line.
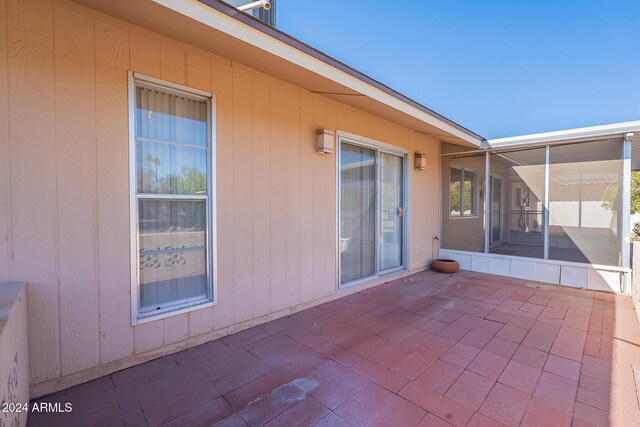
x=428 y=350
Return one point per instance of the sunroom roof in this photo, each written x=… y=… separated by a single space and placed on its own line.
x=585 y=133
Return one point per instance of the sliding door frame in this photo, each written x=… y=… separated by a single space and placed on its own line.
x=379 y=147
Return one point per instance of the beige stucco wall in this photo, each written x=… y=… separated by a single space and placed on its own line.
x=64 y=187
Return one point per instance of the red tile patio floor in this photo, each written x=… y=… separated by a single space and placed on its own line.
x=426 y=350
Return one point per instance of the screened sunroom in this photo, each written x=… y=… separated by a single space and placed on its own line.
x=554 y=207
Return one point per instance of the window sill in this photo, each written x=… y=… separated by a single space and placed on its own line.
x=151 y=317
x=465 y=217
x=373 y=280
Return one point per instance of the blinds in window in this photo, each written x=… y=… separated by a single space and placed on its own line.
x=171 y=138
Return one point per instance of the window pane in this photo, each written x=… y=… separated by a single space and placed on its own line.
x=171 y=169
x=179 y=164
x=469 y=195
x=172 y=245
x=585 y=199
x=357 y=212
x=454 y=192
x=172 y=118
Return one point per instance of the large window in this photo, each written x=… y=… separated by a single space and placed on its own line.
x=462 y=193
x=171 y=162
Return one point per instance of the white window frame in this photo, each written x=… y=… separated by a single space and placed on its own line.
x=474 y=207
x=210 y=236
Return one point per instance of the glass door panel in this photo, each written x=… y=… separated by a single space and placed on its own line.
x=357 y=212
x=496 y=210
x=391 y=211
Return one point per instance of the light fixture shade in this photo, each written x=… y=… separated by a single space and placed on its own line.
x=420 y=161
x=324 y=141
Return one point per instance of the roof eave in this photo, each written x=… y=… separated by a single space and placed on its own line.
x=586 y=133
x=242 y=26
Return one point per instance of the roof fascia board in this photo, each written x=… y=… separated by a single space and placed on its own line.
x=593 y=132
x=214 y=18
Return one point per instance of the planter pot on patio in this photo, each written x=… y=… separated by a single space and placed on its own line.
x=448 y=266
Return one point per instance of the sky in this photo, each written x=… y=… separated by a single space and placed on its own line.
x=499 y=68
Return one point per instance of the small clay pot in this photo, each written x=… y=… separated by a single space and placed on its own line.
x=448 y=266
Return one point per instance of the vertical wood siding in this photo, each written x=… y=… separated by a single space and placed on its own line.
x=34 y=201
x=76 y=190
x=64 y=184
x=5 y=154
x=199 y=77
x=112 y=62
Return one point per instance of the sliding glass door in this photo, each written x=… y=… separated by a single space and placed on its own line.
x=391 y=211
x=357 y=213
x=371 y=212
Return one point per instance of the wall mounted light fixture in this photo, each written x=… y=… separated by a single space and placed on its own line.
x=324 y=141
x=420 y=161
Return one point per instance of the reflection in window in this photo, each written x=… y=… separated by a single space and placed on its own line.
x=357 y=212
x=468 y=197
x=454 y=192
x=171 y=137
x=172 y=241
x=462 y=192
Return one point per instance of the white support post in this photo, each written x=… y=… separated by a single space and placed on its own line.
x=487 y=201
x=545 y=208
x=625 y=229
x=438 y=237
